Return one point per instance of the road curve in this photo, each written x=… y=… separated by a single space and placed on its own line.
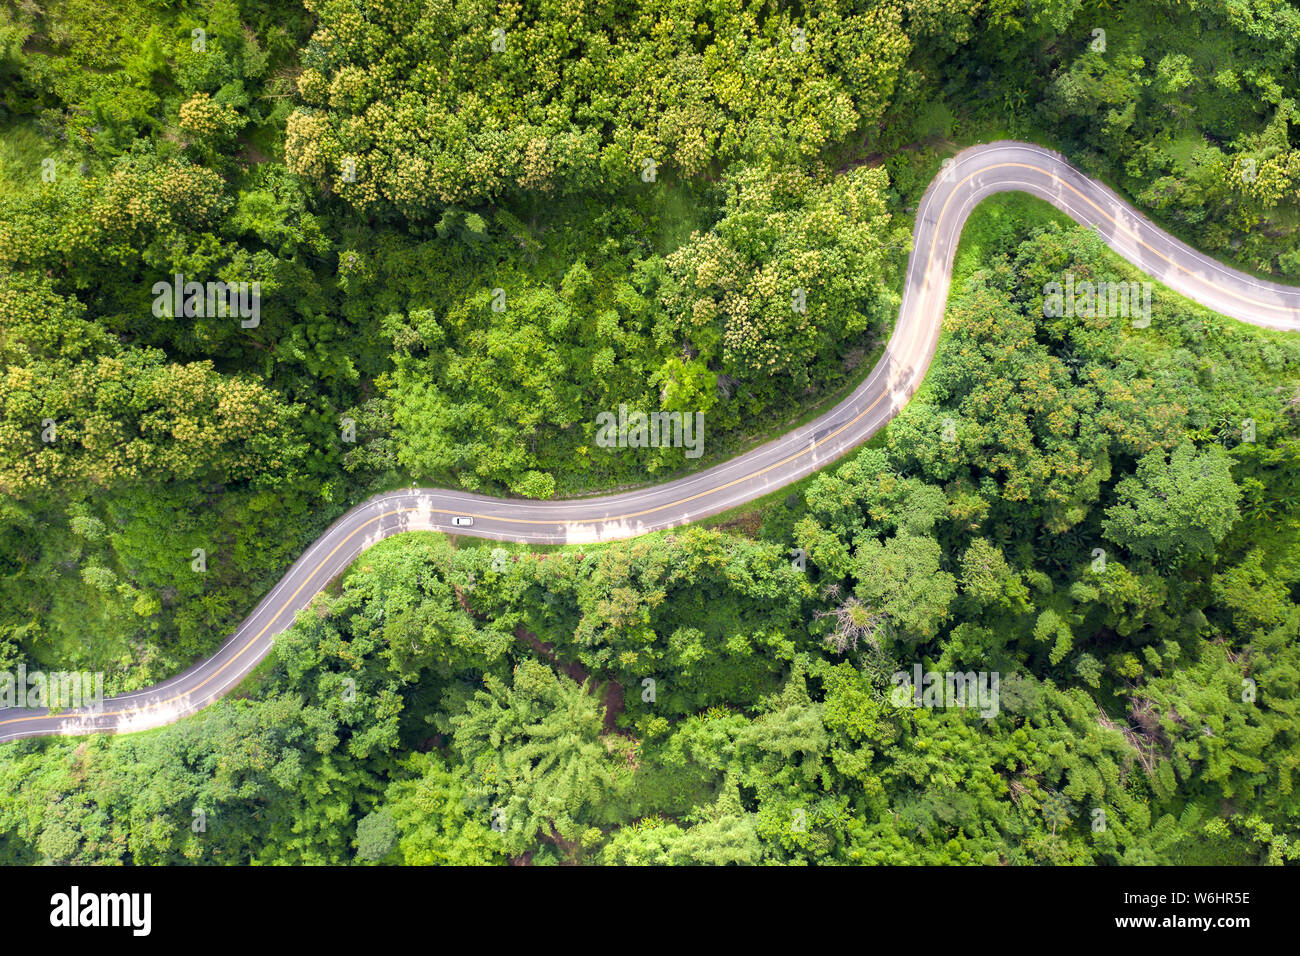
x=969 y=177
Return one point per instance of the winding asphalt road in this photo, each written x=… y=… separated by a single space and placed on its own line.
x=965 y=180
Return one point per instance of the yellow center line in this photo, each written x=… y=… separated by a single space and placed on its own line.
x=254 y=639
x=943 y=211
x=1136 y=238
x=240 y=652
x=672 y=504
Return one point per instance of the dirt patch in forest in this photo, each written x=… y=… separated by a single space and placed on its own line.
x=575 y=670
x=747 y=524
x=612 y=690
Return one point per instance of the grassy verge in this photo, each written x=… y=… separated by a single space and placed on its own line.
x=252 y=685
x=23 y=151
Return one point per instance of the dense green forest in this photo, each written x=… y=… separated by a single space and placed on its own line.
x=474 y=226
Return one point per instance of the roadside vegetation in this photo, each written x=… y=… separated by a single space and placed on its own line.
x=1106 y=516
